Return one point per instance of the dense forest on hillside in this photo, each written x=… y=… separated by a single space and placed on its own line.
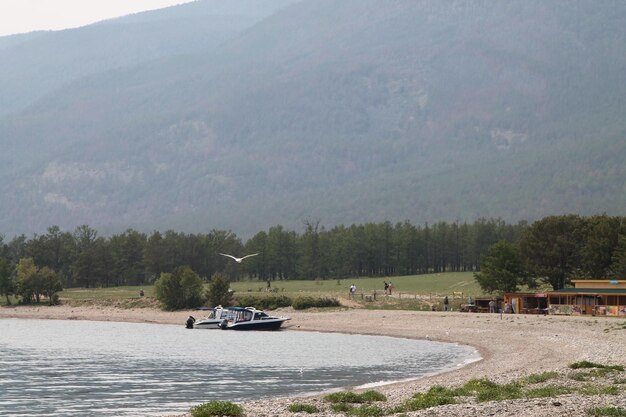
x=555 y=249
x=350 y=111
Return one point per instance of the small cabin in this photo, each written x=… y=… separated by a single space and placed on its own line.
x=527 y=302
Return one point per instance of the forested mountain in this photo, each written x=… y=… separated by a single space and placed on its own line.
x=346 y=111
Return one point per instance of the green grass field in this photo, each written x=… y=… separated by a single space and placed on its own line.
x=435 y=285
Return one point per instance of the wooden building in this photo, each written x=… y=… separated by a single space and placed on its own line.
x=593 y=297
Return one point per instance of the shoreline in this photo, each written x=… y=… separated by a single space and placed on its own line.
x=511 y=347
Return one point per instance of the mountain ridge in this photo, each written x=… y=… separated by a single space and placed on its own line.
x=346 y=111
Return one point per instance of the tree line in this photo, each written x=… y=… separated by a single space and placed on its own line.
x=555 y=248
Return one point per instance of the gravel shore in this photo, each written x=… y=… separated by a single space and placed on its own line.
x=512 y=347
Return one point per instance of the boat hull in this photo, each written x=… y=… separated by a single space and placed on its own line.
x=207 y=324
x=271 y=324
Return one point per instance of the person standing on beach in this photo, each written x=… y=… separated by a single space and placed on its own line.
x=445 y=303
x=352 y=291
x=386 y=288
x=492 y=306
x=390 y=287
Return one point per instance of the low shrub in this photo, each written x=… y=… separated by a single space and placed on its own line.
x=539 y=378
x=354 y=398
x=216 y=409
x=303 y=408
x=348 y=397
x=263 y=302
x=371 y=396
x=367 y=411
x=302 y=303
x=341 y=407
x=435 y=396
x=607 y=411
x=587 y=364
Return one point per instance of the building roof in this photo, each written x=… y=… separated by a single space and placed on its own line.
x=620 y=291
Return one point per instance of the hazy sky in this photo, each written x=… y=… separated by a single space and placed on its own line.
x=19 y=16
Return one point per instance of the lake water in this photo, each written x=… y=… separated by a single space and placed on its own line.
x=85 y=368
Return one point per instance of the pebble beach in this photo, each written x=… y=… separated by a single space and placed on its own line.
x=512 y=347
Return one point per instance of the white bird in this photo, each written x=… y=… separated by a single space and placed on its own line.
x=238 y=260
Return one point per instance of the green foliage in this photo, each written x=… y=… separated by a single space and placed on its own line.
x=182 y=289
x=303 y=408
x=606 y=412
x=435 y=396
x=341 y=407
x=32 y=282
x=366 y=411
x=219 y=292
x=502 y=270
x=7 y=286
x=349 y=397
x=263 y=302
x=217 y=409
x=487 y=390
x=551 y=248
x=587 y=364
x=542 y=377
x=371 y=396
x=302 y=303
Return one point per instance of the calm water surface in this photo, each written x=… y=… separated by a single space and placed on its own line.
x=86 y=368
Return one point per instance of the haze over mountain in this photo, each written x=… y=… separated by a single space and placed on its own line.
x=346 y=111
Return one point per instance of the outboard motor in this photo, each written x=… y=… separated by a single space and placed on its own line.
x=223 y=324
x=190 y=321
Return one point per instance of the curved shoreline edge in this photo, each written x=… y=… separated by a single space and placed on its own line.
x=510 y=346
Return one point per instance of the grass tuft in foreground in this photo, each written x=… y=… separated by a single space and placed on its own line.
x=349 y=397
x=607 y=411
x=303 y=408
x=587 y=365
x=217 y=409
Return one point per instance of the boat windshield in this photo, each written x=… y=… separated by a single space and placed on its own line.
x=239 y=315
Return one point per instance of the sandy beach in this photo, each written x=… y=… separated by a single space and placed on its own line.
x=511 y=346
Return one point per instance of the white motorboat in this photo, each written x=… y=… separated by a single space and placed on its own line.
x=213 y=319
x=249 y=318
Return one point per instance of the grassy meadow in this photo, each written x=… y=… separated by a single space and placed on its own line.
x=410 y=292
x=414 y=292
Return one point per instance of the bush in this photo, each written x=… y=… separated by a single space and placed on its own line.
x=219 y=292
x=263 y=302
x=302 y=303
x=303 y=408
x=182 y=289
x=216 y=408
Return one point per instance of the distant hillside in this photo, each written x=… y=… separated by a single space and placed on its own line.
x=346 y=111
x=39 y=63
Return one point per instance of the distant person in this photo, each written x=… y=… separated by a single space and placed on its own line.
x=352 y=291
x=446 y=303
x=391 y=287
x=386 y=287
x=141 y=293
x=492 y=306
x=507 y=308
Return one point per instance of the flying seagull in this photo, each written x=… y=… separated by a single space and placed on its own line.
x=238 y=260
